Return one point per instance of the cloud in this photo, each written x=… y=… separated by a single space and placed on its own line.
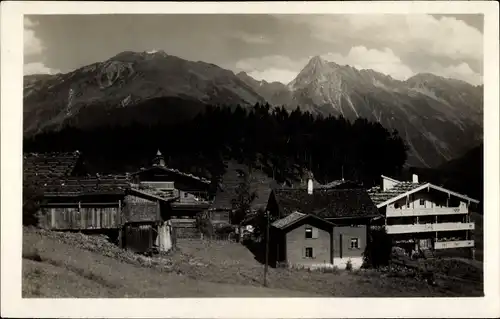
x=407 y=35
x=274 y=75
x=33 y=50
x=32 y=44
x=37 y=68
x=272 y=68
x=384 y=61
x=250 y=38
x=460 y=71
x=284 y=69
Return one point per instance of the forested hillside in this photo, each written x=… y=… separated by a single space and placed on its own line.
x=279 y=142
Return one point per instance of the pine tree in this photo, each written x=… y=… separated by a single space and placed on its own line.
x=242 y=203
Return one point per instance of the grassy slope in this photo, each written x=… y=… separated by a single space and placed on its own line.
x=75 y=266
x=69 y=271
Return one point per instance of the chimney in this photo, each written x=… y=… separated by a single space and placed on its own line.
x=415 y=179
x=310 y=186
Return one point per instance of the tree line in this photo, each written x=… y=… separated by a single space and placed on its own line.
x=277 y=141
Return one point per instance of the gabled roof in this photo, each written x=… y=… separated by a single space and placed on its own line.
x=151 y=196
x=82 y=186
x=340 y=184
x=390 y=178
x=326 y=203
x=173 y=171
x=379 y=196
x=294 y=218
x=45 y=166
x=403 y=189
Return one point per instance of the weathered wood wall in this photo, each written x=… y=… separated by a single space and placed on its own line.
x=73 y=216
x=136 y=209
x=139 y=238
x=185 y=228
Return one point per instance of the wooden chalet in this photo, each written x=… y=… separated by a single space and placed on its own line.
x=192 y=193
x=95 y=204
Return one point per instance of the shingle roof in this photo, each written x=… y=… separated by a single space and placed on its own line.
x=340 y=184
x=175 y=171
x=79 y=186
x=45 y=166
x=378 y=196
x=293 y=217
x=326 y=203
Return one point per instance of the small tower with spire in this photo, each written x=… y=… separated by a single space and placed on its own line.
x=159 y=160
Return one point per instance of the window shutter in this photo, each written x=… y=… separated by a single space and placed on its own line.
x=359 y=243
x=315 y=233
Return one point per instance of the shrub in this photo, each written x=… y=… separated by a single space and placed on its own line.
x=348 y=265
x=204 y=224
x=31 y=206
x=378 y=250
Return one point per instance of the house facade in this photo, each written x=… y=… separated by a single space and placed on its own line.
x=424 y=216
x=322 y=227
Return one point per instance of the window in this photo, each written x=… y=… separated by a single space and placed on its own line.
x=309 y=232
x=354 y=243
x=186 y=195
x=309 y=252
x=422 y=202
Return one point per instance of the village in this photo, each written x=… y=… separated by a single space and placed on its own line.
x=421 y=235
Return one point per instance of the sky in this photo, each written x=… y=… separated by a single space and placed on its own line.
x=267 y=47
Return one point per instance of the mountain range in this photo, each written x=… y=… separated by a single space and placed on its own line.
x=440 y=119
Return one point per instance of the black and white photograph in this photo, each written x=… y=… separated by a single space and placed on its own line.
x=253 y=155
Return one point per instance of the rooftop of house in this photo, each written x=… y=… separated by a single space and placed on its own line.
x=79 y=186
x=340 y=183
x=174 y=171
x=288 y=220
x=326 y=203
x=392 y=190
x=42 y=166
x=378 y=195
x=295 y=217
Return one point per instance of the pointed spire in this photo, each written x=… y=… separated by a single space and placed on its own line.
x=159 y=160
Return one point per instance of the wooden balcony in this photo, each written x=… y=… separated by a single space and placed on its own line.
x=453 y=244
x=422 y=228
x=159 y=185
x=407 y=212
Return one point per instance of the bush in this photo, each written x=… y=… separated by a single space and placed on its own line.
x=204 y=224
x=348 y=265
x=31 y=206
x=379 y=249
x=223 y=229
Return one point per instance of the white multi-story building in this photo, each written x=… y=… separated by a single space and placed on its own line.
x=424 y=215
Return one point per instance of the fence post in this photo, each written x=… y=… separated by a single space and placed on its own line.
x=267 y=249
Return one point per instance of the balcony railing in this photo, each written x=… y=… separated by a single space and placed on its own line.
x=404 y=212
x=421 y=228
x=453 y=244
x=159 y=185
